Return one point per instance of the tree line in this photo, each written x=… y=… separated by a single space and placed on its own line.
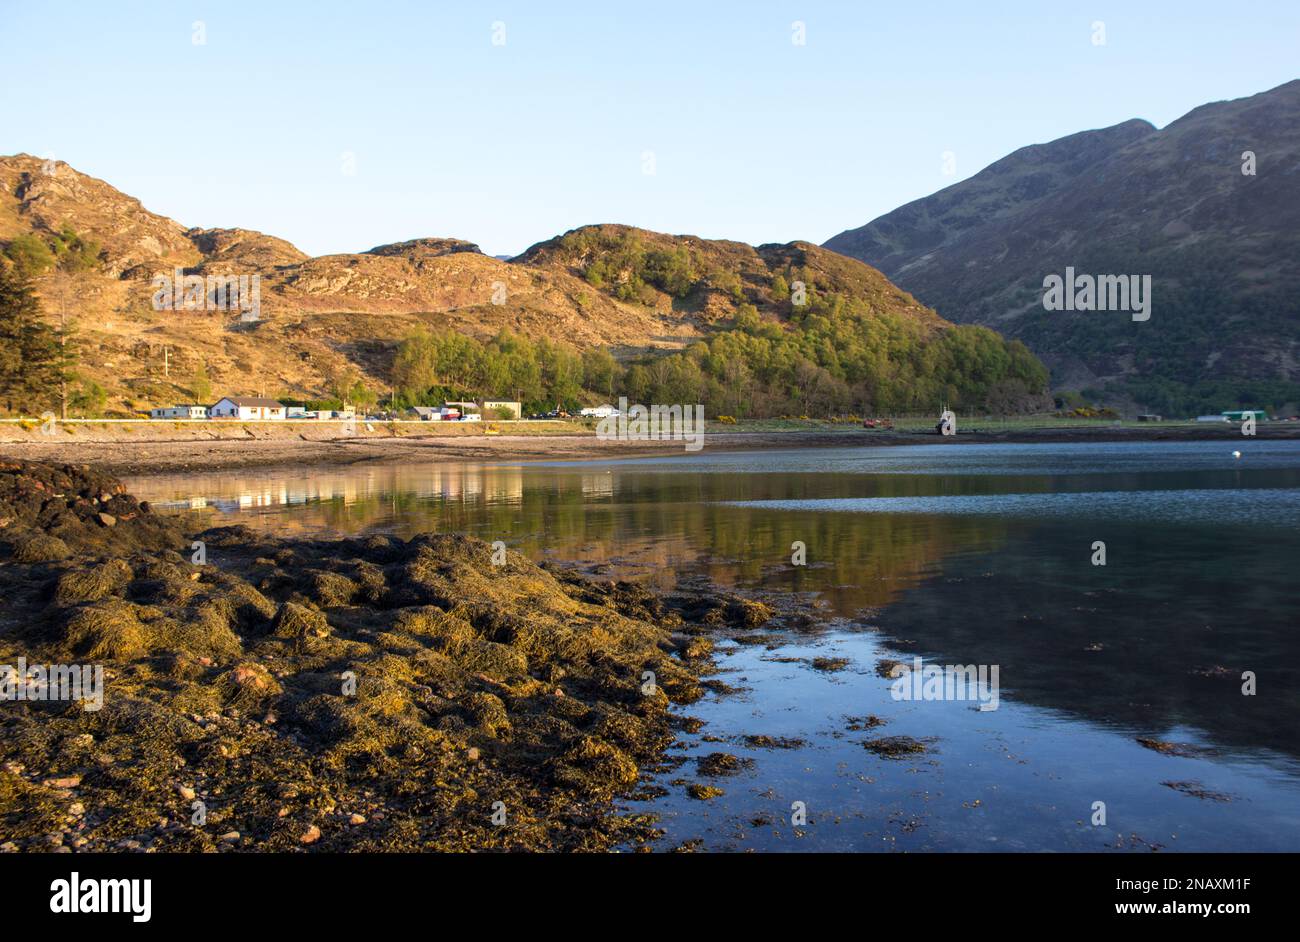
x=851 y=360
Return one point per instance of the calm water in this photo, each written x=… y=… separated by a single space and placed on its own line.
x=957 y=554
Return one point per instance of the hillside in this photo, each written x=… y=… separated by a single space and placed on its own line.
x=1223 y=250
x=710 y=278
x=320 y=317
x=332 y=320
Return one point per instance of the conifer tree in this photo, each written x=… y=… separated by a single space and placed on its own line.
x=32 y=362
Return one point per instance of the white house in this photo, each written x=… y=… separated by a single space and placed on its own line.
x=599 y=412
x=179 y=412
x=493 y=407
x=248 y=408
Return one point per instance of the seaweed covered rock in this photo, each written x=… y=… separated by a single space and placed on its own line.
x=248 y=686
x=43 y=503
x=717 y=610
x=28 y=547
x=595 y=767
x=409 y=684
x=299 y=621
x=93 y=583
x=489 y=713
x=111 y=630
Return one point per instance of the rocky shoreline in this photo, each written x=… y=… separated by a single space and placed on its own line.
x=355 y=694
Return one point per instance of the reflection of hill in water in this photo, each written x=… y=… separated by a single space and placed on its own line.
x=652 y=525
x=1162 y=612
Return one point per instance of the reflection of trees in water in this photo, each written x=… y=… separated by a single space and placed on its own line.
x=855 y=560
x=657 y=525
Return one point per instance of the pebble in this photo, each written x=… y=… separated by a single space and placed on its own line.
x=311 y=835
x=357 y=819
x=473 y=754
x=67 y=781
x=186 y=792
x=76 y=809
x=230 y=836
x=106 y=519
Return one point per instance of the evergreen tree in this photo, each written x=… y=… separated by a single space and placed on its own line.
x=32 y=363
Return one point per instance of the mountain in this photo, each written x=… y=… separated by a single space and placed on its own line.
x=627 y=290
x=1222 y=247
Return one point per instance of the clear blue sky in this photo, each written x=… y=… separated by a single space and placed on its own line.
x=754 y=138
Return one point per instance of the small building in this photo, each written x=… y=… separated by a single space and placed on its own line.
x=426 y=413
x=1212 y=418
x=599 y=412
x=179 y=412
x=495 y=408
x=1150 y=417
x=248 y=408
